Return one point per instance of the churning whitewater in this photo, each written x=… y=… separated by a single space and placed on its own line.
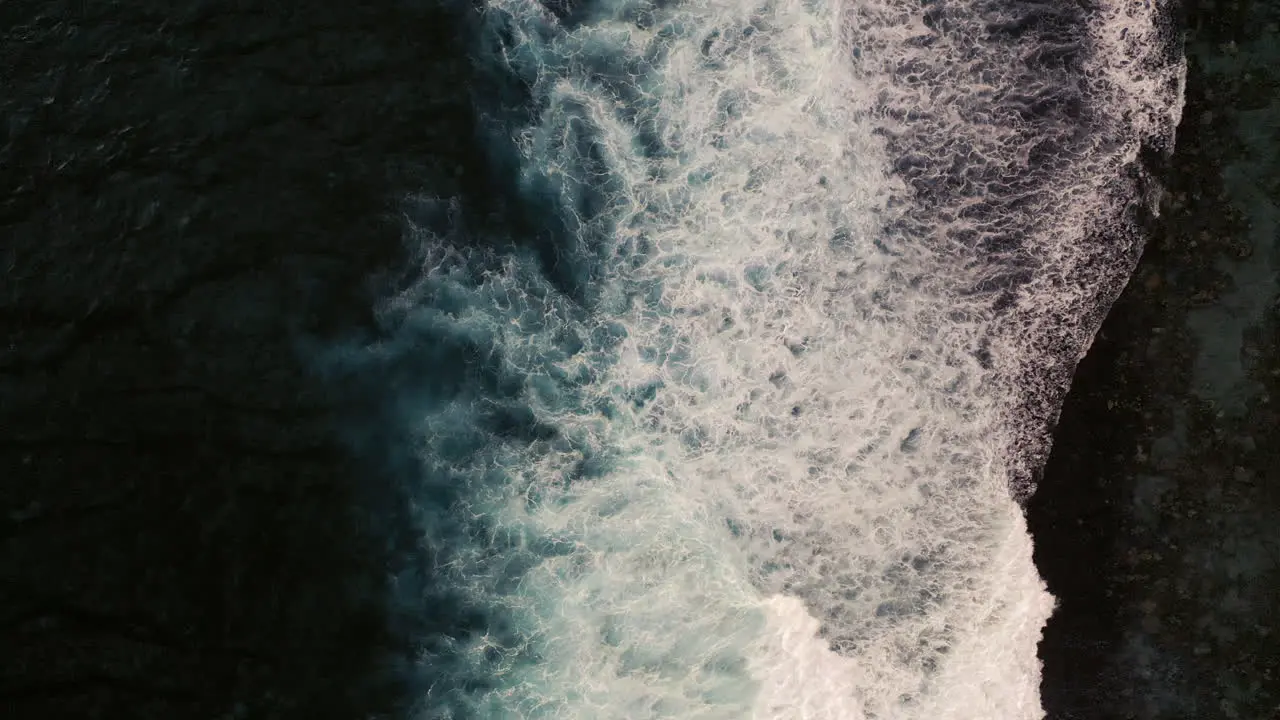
x=740 y=371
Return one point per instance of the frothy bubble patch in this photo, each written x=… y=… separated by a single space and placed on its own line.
x=742 y=445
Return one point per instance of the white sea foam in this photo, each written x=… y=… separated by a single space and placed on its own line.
x=808 y=513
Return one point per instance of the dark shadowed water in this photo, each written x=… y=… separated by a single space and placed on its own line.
x=196 y=519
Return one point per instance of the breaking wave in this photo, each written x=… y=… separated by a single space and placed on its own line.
x=729 y=387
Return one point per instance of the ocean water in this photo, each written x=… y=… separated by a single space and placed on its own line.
x=722 y=393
